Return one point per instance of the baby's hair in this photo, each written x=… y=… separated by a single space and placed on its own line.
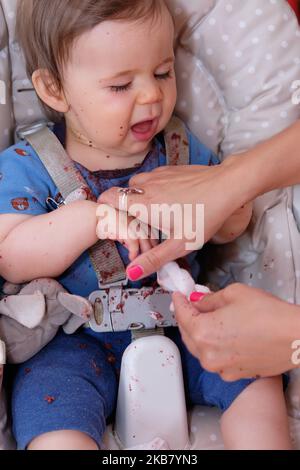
x=46 y=30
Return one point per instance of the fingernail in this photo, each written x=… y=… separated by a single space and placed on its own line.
x=195 y=296
x=135 y=273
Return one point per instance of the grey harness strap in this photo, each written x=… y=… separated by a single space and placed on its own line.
x=176 y=142
x=50 y=151
x=109 y=270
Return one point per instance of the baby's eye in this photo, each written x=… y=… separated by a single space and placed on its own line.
x=120 y=88
x=164 y=76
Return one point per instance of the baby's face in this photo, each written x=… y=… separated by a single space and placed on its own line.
x=120 y=84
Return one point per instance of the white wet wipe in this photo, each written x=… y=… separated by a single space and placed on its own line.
x=172 y=277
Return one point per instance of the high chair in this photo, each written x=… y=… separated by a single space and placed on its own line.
x=236 y=63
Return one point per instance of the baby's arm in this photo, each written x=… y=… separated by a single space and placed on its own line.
x=45 y=245
x=235 y=225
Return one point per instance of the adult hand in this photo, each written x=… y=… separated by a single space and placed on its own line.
x=182 y=185
x=222 y=189
x=240 y=332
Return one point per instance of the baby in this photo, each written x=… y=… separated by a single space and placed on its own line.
x=105 y=70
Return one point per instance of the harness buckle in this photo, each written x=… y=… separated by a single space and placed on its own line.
x=118 y=309
x=121 y=283
x=25 y=131
x=54 y=204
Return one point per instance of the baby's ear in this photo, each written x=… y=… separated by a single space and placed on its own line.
x=47 y=90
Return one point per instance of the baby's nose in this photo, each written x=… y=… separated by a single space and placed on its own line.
x=150 y=93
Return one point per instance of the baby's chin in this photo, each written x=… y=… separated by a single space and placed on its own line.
x=140 y=147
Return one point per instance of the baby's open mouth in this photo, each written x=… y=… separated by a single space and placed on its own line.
x=143 y=127
x=145 y=130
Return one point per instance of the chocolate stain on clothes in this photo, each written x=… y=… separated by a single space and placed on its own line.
x=96 y=368
x=49 y=399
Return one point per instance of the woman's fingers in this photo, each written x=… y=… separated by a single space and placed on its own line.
x=154 y=242
x=189 y=342
x=151 y=261
x=126 y=202
x=188 y=322
x=210 y=302
x=185 y=311
x=133 y=247
x=145 y=245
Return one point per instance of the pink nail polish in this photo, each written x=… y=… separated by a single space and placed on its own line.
x=135 y=273
x=195 y=296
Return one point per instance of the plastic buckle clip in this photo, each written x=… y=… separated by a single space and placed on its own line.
x=24 y=131
x=122 y=283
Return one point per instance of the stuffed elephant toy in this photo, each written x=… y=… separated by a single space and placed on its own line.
x=30 y=317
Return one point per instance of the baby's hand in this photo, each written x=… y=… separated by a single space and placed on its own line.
x=119 y=226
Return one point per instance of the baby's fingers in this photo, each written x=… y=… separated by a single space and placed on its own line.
x=133 y=248
x=145 y=245
x=153 y=242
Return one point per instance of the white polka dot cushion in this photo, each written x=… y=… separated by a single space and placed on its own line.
x=236 y=62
